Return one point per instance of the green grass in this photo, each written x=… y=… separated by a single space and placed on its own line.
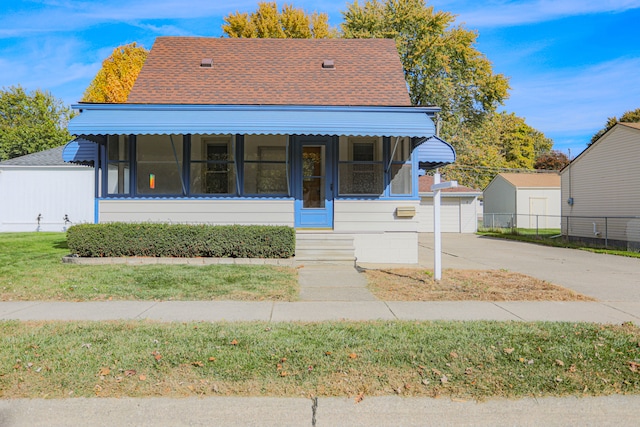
x=461 y=359
x=31 y=269
x=544 y=237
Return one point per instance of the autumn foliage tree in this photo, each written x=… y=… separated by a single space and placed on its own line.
x=119 y=72
x=269 y=22
x=31 y=122
x=502 y=141
x=628 y=117
x=441 y=64
x=551 y=160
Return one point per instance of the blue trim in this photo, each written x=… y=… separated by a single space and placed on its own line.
x=116 y=119
x=314 y=217
x=433 y=153
x=80 y=150
x=96 y=211
x=197 y=197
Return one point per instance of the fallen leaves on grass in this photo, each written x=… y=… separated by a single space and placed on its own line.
x=416 y=284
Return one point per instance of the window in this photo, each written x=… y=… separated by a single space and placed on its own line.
x=212 y=165
x=265 y=165
x=401 y=180
x=361 y=170
x=159 y=165
x=118 y=166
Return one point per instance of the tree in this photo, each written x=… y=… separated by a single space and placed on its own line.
x=628 y=117
x=501 y=142
x=119 y=72
x=551 y=160
x=268 y=22
x=441 y=64
x=31 y=122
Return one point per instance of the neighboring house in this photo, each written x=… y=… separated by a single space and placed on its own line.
x=40 y=192
x=601 y=190
x=459 y=208
x=522 y=200
x=319 y=135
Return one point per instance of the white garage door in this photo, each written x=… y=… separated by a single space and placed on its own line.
x=458 y=215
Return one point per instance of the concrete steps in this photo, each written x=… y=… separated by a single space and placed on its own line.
x=325 y=248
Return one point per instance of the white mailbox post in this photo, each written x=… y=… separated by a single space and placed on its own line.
x=437 y=235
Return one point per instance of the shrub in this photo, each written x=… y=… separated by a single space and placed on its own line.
x=119 y=239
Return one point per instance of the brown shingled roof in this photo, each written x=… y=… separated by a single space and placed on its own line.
x=631 y=125
x=426 y=181
x=272 y=71
x=532 y=179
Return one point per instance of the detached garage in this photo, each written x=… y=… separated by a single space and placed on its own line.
x=523 y=200
x=459 y=208
x=40 y=192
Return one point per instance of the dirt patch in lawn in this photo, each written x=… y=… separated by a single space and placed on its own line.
x=416 y=284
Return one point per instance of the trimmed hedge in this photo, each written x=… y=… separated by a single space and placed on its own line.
x=119 y=239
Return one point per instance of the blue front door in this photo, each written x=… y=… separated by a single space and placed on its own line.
x=313 y=176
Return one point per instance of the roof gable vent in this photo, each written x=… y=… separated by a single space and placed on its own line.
x=206 y=63
x=328 y=64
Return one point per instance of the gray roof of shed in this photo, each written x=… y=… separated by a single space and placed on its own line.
x=51 y=157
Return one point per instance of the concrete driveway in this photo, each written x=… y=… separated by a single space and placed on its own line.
x=605 y=277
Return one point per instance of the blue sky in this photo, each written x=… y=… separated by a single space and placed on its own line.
x=571 y=63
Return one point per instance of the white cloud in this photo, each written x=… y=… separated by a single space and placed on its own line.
x=574 y=102
x=54 y=16
x=510 y=13
x=47 y=64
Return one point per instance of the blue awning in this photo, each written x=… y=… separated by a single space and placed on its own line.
x=119 y=119
x=433 y=153
x=80 y=151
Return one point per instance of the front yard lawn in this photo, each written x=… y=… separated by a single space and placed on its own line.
x=415 y=284
x=31 y=269
x=474 y=360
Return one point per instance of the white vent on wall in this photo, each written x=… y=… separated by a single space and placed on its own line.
x=206 y=63
x=328 y=64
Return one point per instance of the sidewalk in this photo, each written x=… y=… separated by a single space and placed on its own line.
x=616 y=411
x=318 y=311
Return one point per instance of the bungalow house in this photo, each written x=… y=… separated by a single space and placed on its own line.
x=319 y=135
x=460 y=208
x=601 y=190
x=522 y=200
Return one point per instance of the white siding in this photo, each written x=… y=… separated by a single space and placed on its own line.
x=604 y=181
x=458 y=215
x=544 y=202
x=53 y=192
x=372 y=216
x=387 y=248
x=499 y=197
x=499 y=203
x=255 y=212
x=468 y=215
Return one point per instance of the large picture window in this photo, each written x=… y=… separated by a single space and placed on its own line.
x=361 y=170
x=212 y=165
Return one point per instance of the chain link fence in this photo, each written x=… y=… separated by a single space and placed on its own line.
x=622 y=232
